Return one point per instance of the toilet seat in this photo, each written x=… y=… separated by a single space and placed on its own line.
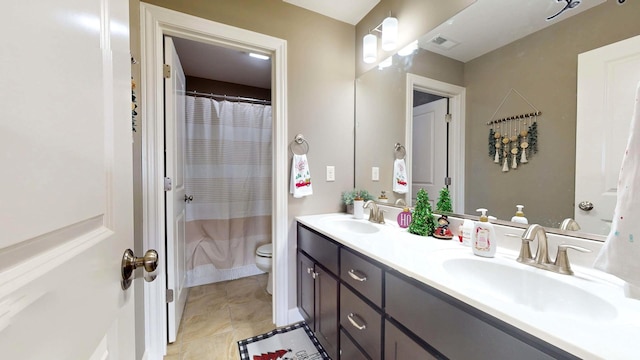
x=265 y=250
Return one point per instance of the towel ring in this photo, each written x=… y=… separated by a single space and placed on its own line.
x=300 y=141
x=400 y=151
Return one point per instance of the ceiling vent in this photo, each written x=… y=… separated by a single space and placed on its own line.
x=443 y=42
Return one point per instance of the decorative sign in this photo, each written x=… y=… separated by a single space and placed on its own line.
x=404 y=219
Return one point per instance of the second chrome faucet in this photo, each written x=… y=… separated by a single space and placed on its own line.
x=376 y=215
x=541 y=260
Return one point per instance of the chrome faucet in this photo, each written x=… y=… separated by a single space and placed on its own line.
x=569 y=224
x=401 y=202
x=376 y=215
x=561 y=265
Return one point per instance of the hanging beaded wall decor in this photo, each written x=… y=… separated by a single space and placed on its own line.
x=511 y=144
x=514 y=139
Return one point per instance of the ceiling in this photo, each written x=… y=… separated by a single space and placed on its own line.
x=487 y=25
x=349 y=11
x=223 y=64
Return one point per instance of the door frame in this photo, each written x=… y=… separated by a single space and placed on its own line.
x=155 y=22
x=457 y=106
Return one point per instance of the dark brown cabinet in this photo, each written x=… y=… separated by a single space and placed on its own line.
x=318 y=287
x=362 y=309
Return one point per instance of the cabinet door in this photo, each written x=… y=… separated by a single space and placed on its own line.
x=306 y=295
x=398 y=346
x=327 y=311
x=348 y=350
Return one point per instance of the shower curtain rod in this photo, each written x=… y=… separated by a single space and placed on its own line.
x=230 y=98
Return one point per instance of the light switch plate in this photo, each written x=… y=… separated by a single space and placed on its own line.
x=331 y=173
x=375 y=173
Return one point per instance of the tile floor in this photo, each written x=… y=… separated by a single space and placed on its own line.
x=218 y=315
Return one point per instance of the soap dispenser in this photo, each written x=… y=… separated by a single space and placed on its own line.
x=519 y=216
x=483 y=236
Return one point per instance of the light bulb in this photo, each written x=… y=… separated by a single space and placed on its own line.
x=389 y=33
x=369 y=48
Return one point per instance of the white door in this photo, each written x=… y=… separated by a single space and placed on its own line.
x=429 y=142
x=607 y=80
x=175 y=87
x=66 y=199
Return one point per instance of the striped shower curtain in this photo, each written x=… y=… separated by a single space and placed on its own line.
x=228 y=173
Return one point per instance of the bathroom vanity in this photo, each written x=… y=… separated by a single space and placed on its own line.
x=374 y=291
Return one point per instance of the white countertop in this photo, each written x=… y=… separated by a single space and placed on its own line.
x=612 y=331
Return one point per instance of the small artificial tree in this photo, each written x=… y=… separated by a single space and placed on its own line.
x=422 y=221
x=444 y=205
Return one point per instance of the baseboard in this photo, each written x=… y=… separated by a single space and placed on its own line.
x=294 y=316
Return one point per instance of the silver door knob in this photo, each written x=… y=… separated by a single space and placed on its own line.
x=130 y=262
x=586 y=206
x=188 y=199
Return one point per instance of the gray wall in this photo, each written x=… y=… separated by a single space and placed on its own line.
x=380 y=110
x=543 y=68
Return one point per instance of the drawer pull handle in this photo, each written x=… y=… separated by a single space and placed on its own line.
x=357 y=275
x=352 y=319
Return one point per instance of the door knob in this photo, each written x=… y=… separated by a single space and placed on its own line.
x=586 y=206
x=188 y=199
x=130 y=262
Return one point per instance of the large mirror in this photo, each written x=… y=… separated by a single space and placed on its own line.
x=523 y=65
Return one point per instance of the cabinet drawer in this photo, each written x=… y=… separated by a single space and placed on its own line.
x=456 y=329
x=362 y=275
x=324 y=251
x=398 y=346
x=361 y=321
x=348 y=350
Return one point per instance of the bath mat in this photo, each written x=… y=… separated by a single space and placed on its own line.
x=293 y=342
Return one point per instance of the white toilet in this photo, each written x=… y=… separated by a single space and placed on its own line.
x=264 y=263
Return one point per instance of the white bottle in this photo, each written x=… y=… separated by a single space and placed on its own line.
x=358 y=209
x=519 y=217
x=466 y=228
x=483 y=236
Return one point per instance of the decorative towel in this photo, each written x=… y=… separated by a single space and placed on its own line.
x=300 y=177
x=620 y=253
x=400 y=177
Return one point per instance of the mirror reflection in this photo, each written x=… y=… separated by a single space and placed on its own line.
x=503 y=77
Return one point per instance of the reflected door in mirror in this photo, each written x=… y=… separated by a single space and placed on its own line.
x=607 y=80
x=429 y=152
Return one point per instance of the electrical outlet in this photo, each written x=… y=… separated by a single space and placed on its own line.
x=375 y=173
x=331 y=173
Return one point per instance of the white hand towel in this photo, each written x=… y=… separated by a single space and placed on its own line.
x=621 y=251
x=400 y=177
x=300 y=177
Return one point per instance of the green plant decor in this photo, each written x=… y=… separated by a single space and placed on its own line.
x=423 y=222
x=444 y=205
x=348 y=196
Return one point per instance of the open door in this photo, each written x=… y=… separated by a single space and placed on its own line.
x=607 y=80
x=175 y=87
x=429 y=159
x=66 y=214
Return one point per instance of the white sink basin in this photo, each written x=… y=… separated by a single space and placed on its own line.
x=354 y=226
x=533 y=288
x=350 y=225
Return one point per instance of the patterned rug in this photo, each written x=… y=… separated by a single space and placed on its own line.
x=293 y=342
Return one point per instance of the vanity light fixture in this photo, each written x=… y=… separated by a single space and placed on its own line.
x=389 y=33
x=409 y=49
x=369 y=48
x=389 y=30
x=259 y=56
